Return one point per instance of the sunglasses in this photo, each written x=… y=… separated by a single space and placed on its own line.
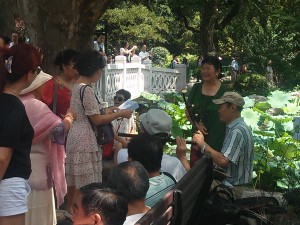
x=119 y=98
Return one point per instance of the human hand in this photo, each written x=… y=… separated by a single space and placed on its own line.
x=181 y=148
x=125 y=113
x=201 y=128
x=72 y=113
x=199 y=139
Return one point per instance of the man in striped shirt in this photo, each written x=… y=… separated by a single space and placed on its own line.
x=236 y=156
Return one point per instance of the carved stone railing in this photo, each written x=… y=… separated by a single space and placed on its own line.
x=136 y=78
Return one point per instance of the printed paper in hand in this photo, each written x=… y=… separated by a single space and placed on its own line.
x=129 y=104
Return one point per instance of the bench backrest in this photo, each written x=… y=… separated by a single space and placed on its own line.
x=183 y=204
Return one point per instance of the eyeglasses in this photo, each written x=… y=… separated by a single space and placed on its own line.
x=119 y=98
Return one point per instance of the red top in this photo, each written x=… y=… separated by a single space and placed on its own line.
x=63 y=97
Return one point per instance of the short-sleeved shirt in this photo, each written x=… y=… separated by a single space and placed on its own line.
x=143 y=55
x=17 y=133
x=238 y=148
x=123 y=125
x=158 y=187
x=63 y=97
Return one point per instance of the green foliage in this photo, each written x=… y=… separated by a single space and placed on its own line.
x=266 y=30
x=134 y=23
x=172 y=104
x=276 y=153
x=160 y=57
x=250 y=83
x=277 y=156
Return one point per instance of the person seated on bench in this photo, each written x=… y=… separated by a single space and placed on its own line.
x=158 y=123
x=148 y=150
x=99 y=205
x=236 y=156
x=131 y=179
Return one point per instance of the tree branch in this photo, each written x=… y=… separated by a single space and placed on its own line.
x=229 y=17
x=185 y=21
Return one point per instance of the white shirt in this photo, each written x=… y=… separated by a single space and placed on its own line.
x=143 y=55
x=235 y=65
x=130 y=220
x=97 y=46
x=123 y=125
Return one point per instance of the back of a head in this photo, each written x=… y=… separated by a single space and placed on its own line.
x=65 y=57
x=148 y=150
x=131 y=179
x=21 y=59
x=124 y=43
x=89 y=62
x=97 y=198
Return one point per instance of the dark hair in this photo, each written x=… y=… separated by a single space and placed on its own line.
x=97 y=198
x=213 y=60
x=126 y=94
x=65 y=57
x=148 y=150
x=131 y=179
x=123 y=44
x=239 y=108
x=24 y=58
x=89 y=62
x=6 y=39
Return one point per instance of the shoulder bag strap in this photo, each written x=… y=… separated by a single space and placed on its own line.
x=170 y=176
x=81 y=93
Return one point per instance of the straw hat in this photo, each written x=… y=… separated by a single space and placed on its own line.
x=40 y=79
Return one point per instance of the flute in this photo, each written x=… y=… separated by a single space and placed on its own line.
x=171 y=140
x=189 y=108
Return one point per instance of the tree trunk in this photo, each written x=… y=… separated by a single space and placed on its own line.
x=54 y=25
x=207 y=27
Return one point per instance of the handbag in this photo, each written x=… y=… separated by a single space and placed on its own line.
x=104 y=132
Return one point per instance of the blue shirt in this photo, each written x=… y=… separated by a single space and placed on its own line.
x=158 y=187
x=238 y=148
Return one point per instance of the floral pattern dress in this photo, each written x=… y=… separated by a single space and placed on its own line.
x=84 y=156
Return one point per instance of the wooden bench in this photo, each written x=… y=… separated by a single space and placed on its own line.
x=183 y=204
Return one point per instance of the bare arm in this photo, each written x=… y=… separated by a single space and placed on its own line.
x=124 y=51
x=218 y=157
x=5 y=156
x=181 y=153
x=98 y=119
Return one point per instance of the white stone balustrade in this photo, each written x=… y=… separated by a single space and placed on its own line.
x=136 y=78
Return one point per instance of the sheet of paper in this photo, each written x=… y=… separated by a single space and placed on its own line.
x=129 y=104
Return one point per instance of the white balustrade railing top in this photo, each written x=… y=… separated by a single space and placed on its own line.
x=137 y=78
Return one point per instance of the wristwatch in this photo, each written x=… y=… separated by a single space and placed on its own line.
x=203 y=148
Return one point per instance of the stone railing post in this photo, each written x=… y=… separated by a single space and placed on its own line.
x=120 y=59
x=147 y=78
x=136 y=59
x=182 y=77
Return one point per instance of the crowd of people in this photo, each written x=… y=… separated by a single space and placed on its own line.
x=50 y=157
x=129 y=53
